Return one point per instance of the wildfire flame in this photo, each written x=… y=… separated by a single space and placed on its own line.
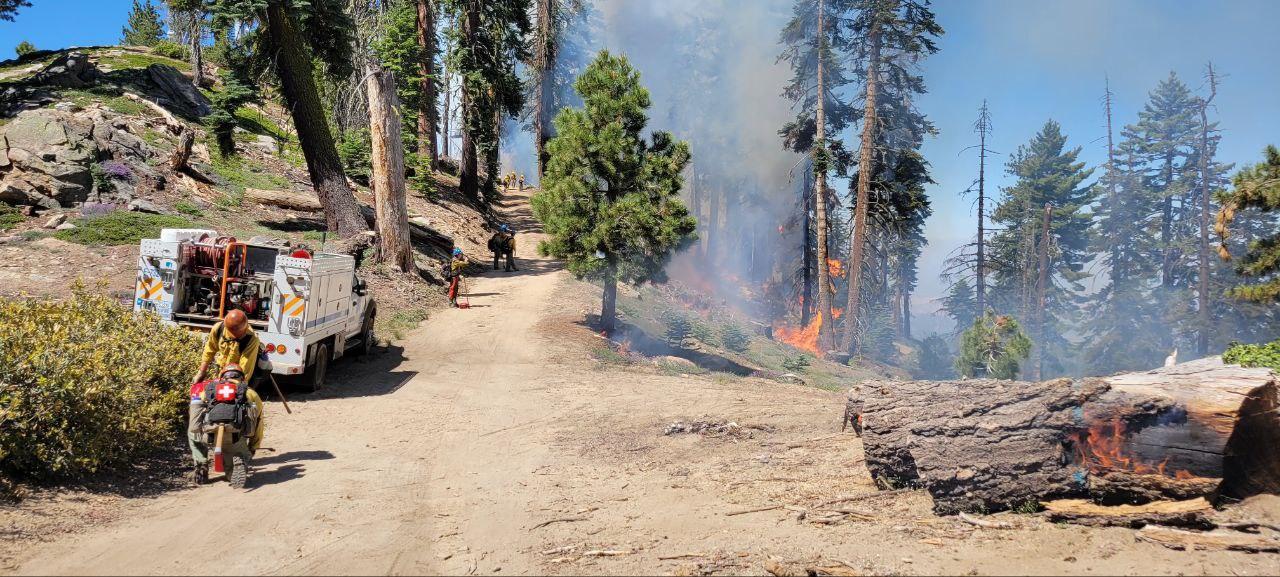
x=801 y=338
x=837 y=313
x=836 y=267
x=1101 y=448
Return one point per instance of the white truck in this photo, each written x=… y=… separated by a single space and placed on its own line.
x=307 y=308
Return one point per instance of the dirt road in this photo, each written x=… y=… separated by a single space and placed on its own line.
x=491 y=441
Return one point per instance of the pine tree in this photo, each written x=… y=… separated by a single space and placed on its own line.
x=144 y=27
x=815 y=40
x=933 y=359
x=889 y=37
x=1255 y=189
x=9 y=8
x=552 y=34
x=488 y=43
x=610 y=200
x=1047 y=174
x=296 y=33
x=960 y=304
x=24 y=48
x=190 y=22
x=993 y=347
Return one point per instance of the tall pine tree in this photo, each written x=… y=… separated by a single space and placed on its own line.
x=1047 y=174
x=144 y=27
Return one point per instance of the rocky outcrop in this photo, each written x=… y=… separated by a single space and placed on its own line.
x=70 y=70
x=178 y=91
x=49 y=159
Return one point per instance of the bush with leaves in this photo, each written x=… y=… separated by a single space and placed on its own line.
x=994 y=347
x=1260 y=355
x=9 y=217
x=170 y=49
x=24 y=48
x=735 y=338
x=87 y=385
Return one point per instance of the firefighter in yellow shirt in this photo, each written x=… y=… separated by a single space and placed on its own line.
x=231 y=341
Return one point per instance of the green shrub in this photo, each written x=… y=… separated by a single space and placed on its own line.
x=9 y=217
x=169 y=49
x=24 y=48
x=702 y=332
x=87 y=385
x=422 y=179
x=1262 y=355
x=735 y=338
x=356 y=152
x=797 y=363
x=188 y=208
x=994 y=348
x=679 y=331
x=120 y=227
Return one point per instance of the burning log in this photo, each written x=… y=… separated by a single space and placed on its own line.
x=1198 y=429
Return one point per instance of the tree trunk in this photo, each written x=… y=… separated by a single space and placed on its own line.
x=980 y=269
x=445 y=114
x=806 y=301
x=426 y=29
x=1166 y=226
x=297 y=84
x=195 y=36
x=1117 y=275
x=906 y=314
x=387 y=176
x=182 y=152
x=1195 y=429
x=826 y=322
x=1202 y=283
x=866 y=171
x=544 y=62
x=469 y=173
x=609 y=304
x=1042 y=285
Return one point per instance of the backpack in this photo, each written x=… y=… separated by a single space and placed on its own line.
x=227 y=402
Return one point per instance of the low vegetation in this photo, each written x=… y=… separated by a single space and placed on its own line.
x=120 y=227
x=86 y=385
x=1260 y=355
x=9 y=217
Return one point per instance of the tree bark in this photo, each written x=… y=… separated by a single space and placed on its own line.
x=544 y=61
x=426 y=29
x=609 y=302
x=866 y=171
x=1202 y=283
x=1042 y=285
x=469 y=173
x=826 y=329
x=297 y=84
x=387 y=175
x=806 y=300
x=1195 y=429
x=980 y=270
x=196 y=35
x=182 y=152
x=1117 y=276
x=447 y=111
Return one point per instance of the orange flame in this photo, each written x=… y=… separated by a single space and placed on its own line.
x=804 y=339
x=1102 y=448
x=836 y=267
x=837 y=313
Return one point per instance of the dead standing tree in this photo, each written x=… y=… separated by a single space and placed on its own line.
x=1202 y=283
x=388 y=169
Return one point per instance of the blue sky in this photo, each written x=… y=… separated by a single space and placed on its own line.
x=1031 y=59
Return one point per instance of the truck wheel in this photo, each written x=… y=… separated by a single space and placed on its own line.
x=313 y=378
x=367 y=338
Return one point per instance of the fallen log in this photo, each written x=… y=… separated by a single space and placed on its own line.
x=1198 y=429
x=1191 y=513
x=1216 y=541
x=286 y=199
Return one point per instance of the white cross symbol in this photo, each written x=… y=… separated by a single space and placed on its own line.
x=226 y=391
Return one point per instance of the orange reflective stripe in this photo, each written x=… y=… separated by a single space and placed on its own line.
x=293 y=306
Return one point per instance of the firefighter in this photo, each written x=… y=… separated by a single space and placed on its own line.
x=503 y=243
x=521 y=182
x=231 y=341
x=453 y=272
x=201 y=397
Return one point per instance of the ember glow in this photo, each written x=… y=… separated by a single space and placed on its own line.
x=1101 y=449
x=837 y=268
x=804 y=339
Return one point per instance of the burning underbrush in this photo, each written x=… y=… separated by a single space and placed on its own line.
x=682 y=328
